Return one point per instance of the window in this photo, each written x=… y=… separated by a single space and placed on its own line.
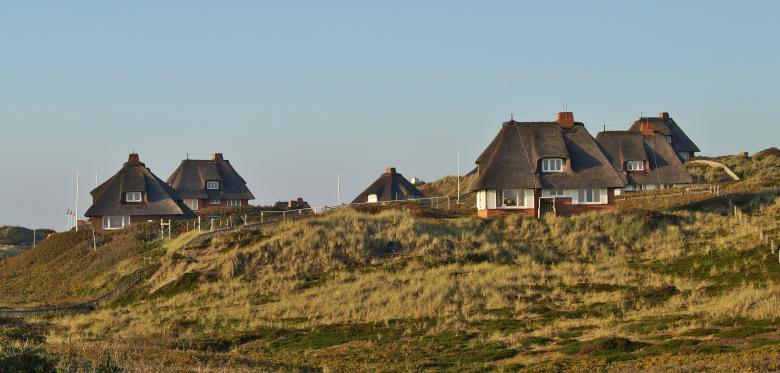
x=214 y=201
x=192 y=204
x=513 y=198
x=133 y=197
x=372 y=198
x=635 y=166
x=115 y=222
x=555 y=192
x=234 y=202
x=212 y=185
x=669 y=139
x=552 y=165
x=589 y=196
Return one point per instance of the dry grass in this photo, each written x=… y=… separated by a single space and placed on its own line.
x=399 y=290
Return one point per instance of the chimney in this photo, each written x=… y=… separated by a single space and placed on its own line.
x=300 y=201
x=217 y=157
x=390 y=170
x=663 y=115
x=133 y=158
x=565 y=119
x=646 y=129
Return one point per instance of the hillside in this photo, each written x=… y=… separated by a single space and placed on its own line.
x=14 y=240
x=659 y=287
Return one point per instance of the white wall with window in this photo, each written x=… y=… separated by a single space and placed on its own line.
x=214 y=201
x=591 y=196
x=115 y=222
x=234 y=203
x=552 y=165
x=635 y=166
x=481 y=200
x=192 y=204
x=134 y=197
x=372 y=198
x=212 y=185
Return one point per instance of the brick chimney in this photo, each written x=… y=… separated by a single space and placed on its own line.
x=565 y=119
x=390 y=170
x=133 y=158
x=217 y=157
x=663 y=115
x=646 y=129
x=300 y=201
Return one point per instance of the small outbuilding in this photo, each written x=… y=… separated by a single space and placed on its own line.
x=390 y=186
x=134 y=195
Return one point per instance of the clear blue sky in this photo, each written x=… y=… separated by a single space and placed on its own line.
x=295 y=91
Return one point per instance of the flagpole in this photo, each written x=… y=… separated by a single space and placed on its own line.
x=458 y=176
x=76 y=217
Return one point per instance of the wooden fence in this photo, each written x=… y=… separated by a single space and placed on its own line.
x=759 y=232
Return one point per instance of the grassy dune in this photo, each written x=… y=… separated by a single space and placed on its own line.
x=682 y=286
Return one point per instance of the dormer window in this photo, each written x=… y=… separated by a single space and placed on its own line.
x=133 y=197
x=635 y=166
x=552 y=165
x=669 y=139
x=212 y=185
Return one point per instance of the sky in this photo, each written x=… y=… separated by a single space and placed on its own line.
x=295 y=92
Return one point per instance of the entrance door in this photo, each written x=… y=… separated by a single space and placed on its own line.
x=546 y=206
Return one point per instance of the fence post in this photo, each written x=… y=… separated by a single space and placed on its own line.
x=212 y=225
x=773 y=246
x=199 y=224
x=448 y=203
x=261 y=216
x=284 y=215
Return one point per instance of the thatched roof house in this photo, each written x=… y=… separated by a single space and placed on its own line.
x=674 y=135
x=644 y=160
x=133 y=195
x=390 y=186
x=537 y=167
x=210 y=183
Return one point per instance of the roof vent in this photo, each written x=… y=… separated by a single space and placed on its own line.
x=390 y=170
x=565 y=119
x=663 y=115
x=133 y=158
x=217 y=157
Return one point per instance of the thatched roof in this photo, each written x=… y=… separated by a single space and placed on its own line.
x=665 y=166
x=159 y=198
x=512 y=160
x=390 y=186
x=190 y=178
x=668 y=127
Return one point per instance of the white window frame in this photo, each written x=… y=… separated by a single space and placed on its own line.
x=215 y=201
x=212 y=185
x=372 y=198
x=108 y=220
x=481 y=200
x=131 y=197
x=552 y=165
x=517 y=194
x=635 y=166
x=234 y=203
x=555 y=192
x=192 y=203
x=593 y=193
x=669 y=139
